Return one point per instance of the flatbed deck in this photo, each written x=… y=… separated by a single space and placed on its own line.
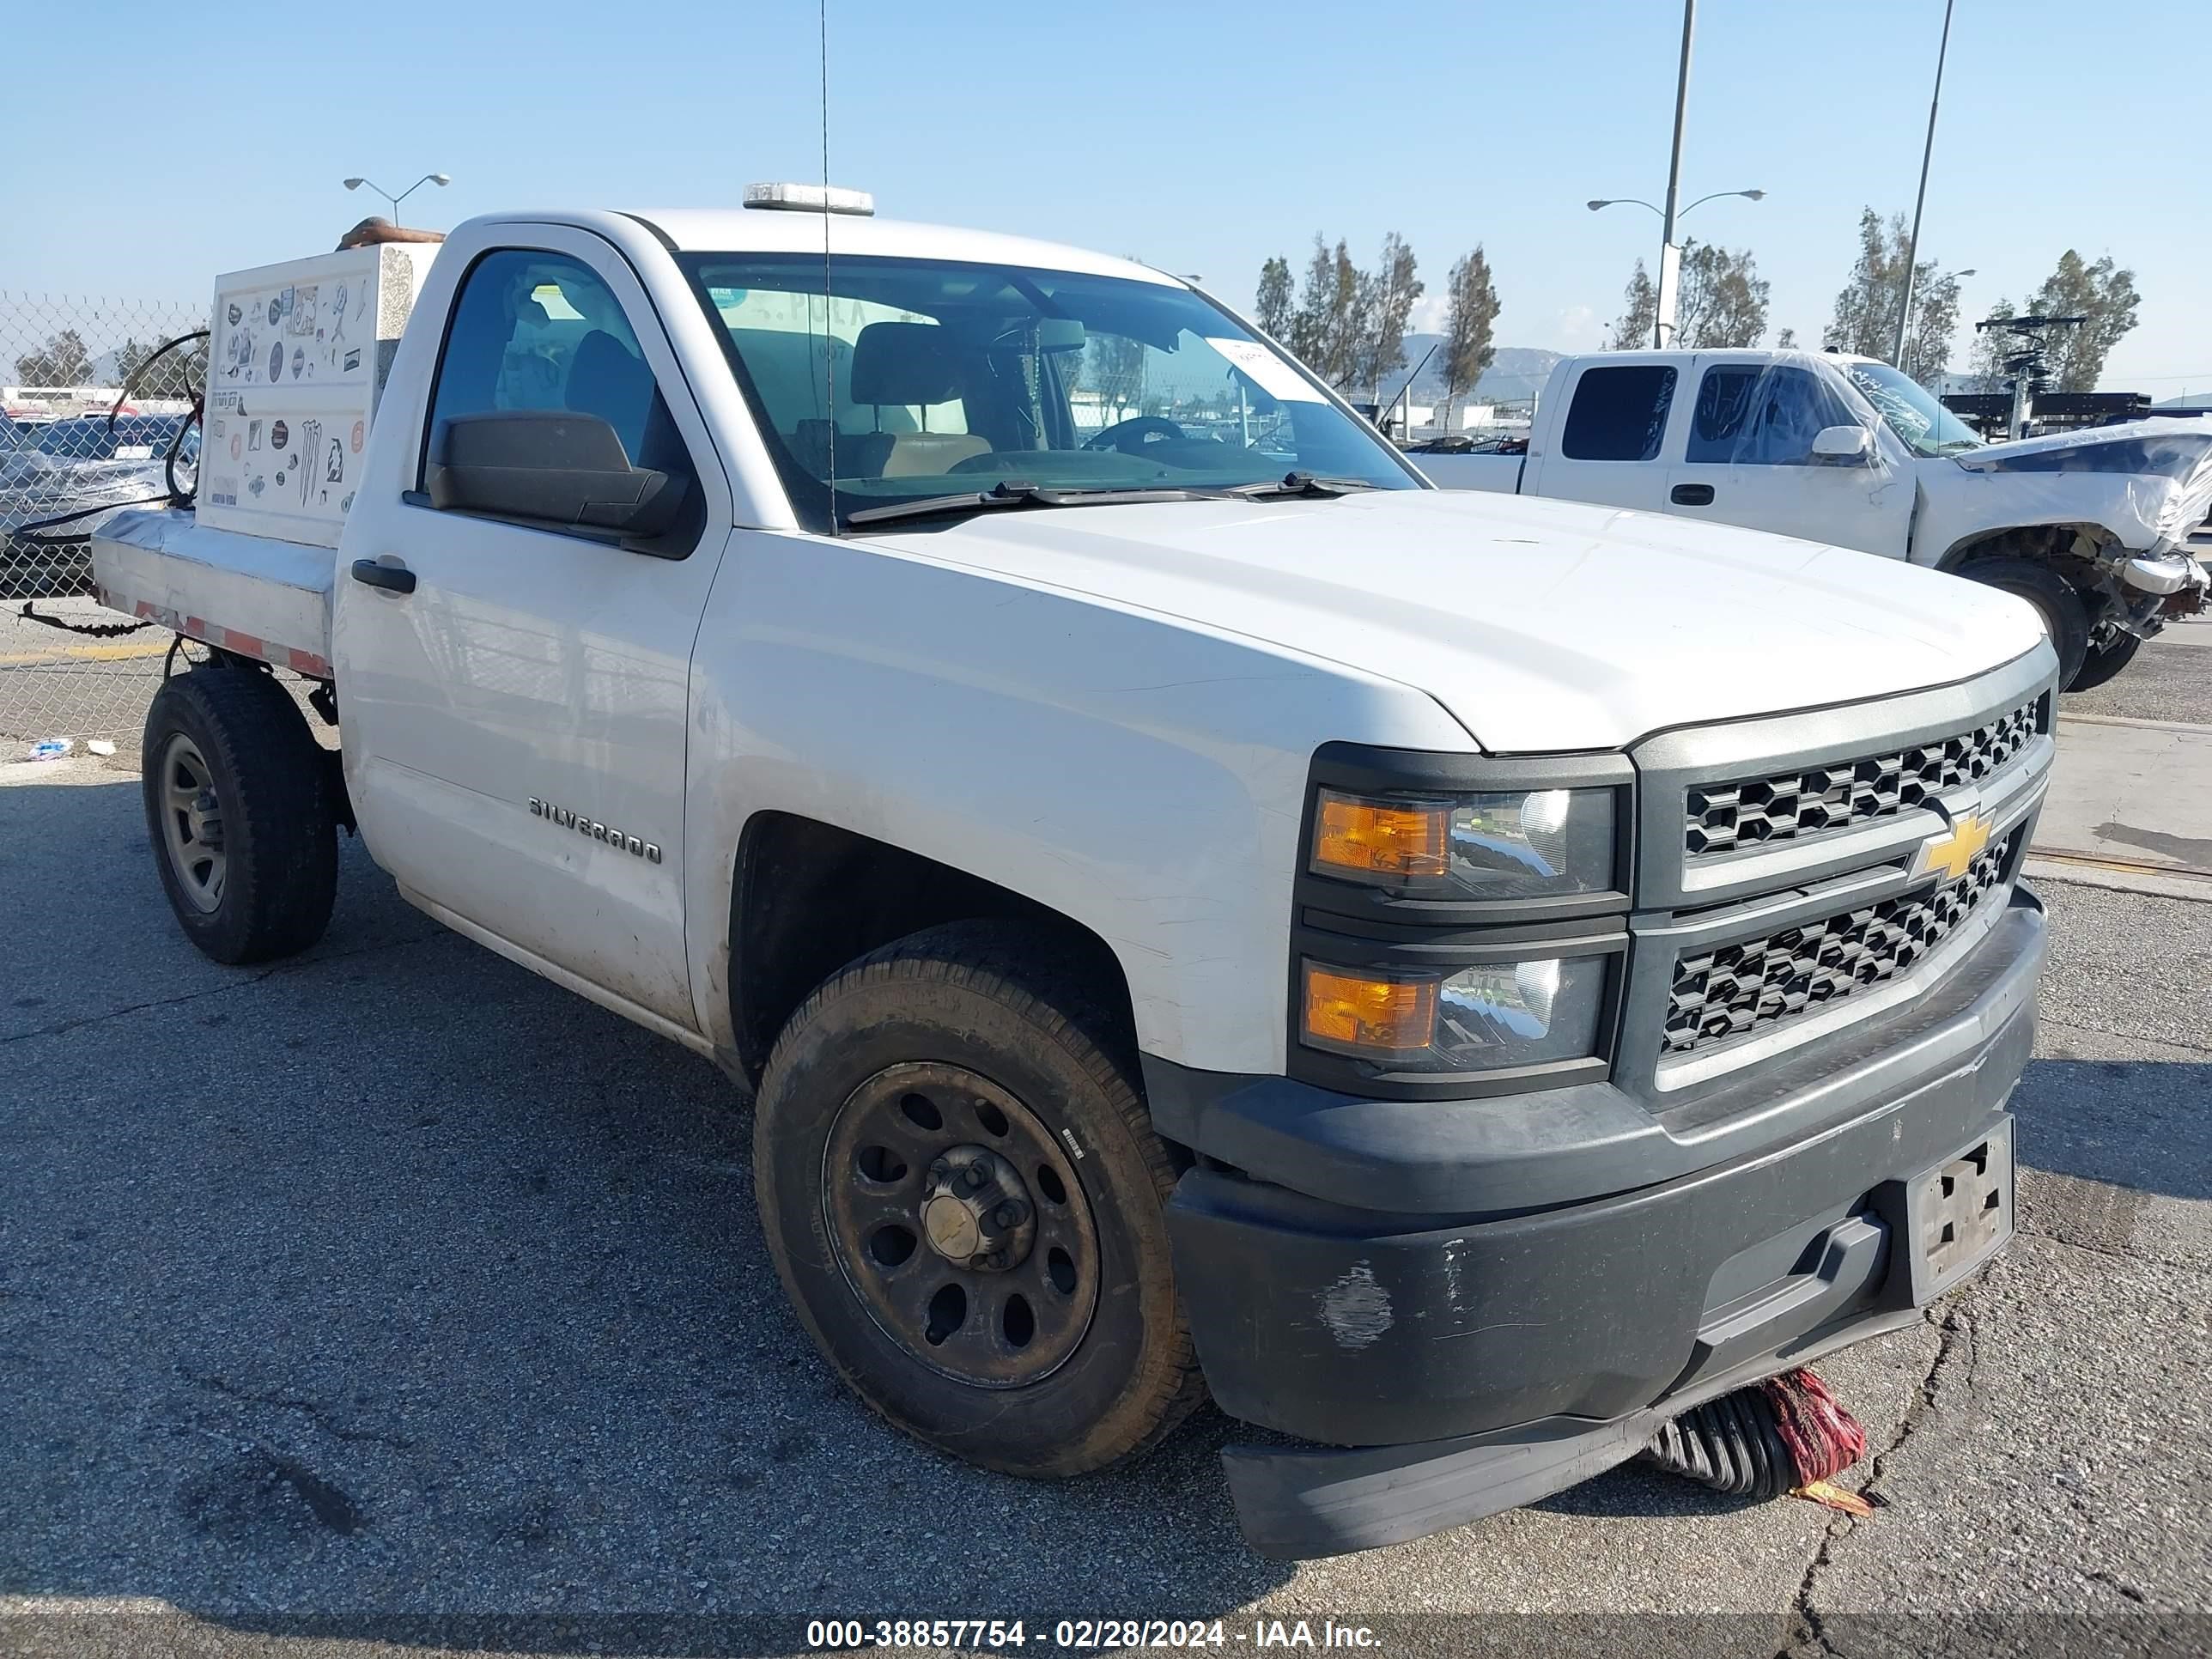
x=253 y=595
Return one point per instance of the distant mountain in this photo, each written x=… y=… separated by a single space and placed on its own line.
x=1515 y=375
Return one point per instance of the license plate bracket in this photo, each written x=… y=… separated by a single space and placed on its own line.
x=1958 y=1212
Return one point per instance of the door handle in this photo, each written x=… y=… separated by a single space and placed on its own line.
x=392 y=578
x=1680 y=495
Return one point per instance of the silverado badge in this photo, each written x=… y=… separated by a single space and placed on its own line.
x=1955 y=849
x=583 y=824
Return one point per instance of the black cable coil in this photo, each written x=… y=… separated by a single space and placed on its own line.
x=1732 y=1444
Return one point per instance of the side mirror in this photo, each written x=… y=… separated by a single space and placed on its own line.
x=550 y=466
x=1843 y=446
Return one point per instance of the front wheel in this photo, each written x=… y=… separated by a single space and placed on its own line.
x=239 y=810
x=2105 y=660
x=2065 y=618
x=963 y=1196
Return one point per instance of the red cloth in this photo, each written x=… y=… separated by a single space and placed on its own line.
x=1824 y=1439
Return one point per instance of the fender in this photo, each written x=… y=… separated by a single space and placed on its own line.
x=1140 y=774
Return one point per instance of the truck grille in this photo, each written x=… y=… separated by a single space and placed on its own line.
x=1730 y=817
x=1760 y=983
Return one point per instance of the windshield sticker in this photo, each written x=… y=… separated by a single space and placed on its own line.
x=1266 y=371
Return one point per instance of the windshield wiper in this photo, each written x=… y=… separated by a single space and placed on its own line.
x=1017 y=492
x=1301 y=486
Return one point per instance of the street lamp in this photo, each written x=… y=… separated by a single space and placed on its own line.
x=1670 y=254
x=377 y=189
x=1631 y=201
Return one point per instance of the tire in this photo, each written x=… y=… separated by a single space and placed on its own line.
x=2065 y=619
x=985 y=1025
x=240 y=813
x=2104 y=661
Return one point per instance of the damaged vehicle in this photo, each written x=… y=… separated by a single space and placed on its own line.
x=1464 y=983
x=2088 y=527
x=62 y=480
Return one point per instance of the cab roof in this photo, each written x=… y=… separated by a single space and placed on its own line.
x=755 y=230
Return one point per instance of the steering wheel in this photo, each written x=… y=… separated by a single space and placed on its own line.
x=1131 y=436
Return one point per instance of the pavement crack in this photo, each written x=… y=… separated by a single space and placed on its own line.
x=1957 y=1345
x=314 y=1410
x=1957 y=1361
x=2056 y=1025
x=2133 y=1258
x=228 y=987
x=1808 y=1631
x=66 y=1026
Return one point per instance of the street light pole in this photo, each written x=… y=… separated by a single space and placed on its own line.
x=1670 y=257
x=1927 y=155
x=379 y=190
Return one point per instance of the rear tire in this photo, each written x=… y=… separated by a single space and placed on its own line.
x=2065 y=619
x=1053 y=1343
x=239 y=810
x=2104 y=661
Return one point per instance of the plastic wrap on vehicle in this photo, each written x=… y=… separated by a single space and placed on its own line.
x=2161 y=471
x=1768 y=411
x=2148 y=483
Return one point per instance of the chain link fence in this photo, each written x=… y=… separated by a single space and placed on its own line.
x=64 y=468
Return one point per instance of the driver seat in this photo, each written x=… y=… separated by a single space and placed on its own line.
x=907 y=363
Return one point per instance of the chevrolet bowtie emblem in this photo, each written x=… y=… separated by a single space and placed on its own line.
x=1955 y=849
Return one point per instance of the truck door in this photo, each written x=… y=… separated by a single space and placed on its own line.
x=1747 y=459
x=1610 y=445
x=514 y=694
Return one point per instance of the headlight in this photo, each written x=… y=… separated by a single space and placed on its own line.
x=1479 y=1018
x=1528 y=843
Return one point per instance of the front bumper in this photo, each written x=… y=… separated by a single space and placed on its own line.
x=2160 y=588
x=1483 y=1353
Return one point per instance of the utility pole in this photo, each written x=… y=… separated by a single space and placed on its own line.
x=1927 y=155
x=1670 y=257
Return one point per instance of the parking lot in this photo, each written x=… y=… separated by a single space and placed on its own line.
x=391 y=1299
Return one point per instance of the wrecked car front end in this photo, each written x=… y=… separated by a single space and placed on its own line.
x=2117 y=504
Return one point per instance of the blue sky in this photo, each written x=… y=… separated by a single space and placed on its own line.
x=1199 y=137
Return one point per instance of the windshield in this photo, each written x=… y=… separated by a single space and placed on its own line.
x=1911 y=411
x=950 y=378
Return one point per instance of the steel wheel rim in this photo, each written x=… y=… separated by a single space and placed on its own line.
x=192 y=824
x=1012 y=1326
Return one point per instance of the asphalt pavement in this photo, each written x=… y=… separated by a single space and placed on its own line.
x=2170 y=679
x=391 y=1300
x=55 y=685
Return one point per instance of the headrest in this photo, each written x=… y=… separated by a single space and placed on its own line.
x=905 y=364
x=604 y=380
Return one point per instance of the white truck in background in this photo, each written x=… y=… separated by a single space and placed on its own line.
x=1461 y=982
x=2090 y=527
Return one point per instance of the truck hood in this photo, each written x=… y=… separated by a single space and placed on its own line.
x=2150 y=481
x=1542 y=626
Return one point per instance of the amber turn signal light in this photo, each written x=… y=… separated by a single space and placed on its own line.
x=1397 y=840
x=1363 y=1013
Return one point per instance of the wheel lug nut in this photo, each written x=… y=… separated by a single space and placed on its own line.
x=996 y=1259
x=976 y=1177
x=1007 y=1215
x=940 y=1169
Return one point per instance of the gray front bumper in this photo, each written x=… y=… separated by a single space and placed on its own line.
x=1476 y=1361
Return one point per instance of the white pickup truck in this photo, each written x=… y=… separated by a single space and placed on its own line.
x=1465 y=981
x=2088 y=527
